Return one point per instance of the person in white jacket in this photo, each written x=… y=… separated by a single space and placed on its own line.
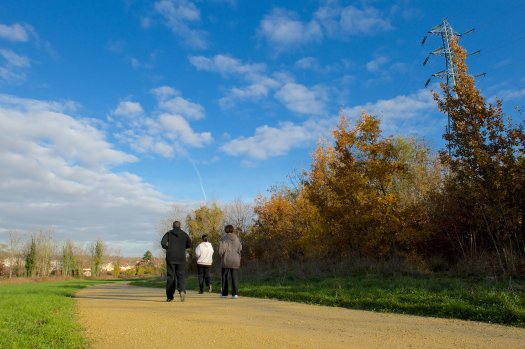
x=204 y=254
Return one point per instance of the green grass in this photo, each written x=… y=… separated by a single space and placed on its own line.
x=446 y=297
x=41 y=315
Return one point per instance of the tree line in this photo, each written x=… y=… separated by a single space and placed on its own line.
x=391 y=199
x=39 y=255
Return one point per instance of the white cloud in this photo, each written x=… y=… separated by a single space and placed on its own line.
x=14 y=59
x=179 y=105
x=16 y=32
x=178 y=128
x=366 y=21
x=165 y=131
x=414 y=114
x=256 y=90
x=300 y=99
x=340 y=21
x=294 y=96
x=226 y=65
x=165 y=91
x=404 y=114
x=57 y=172
x=10 y=75
x=128 y=108
x=375 y=64
x=14 y=66
x=512 y=94
x=311 y=63
x=179 y=15
x=284 y=30
x=259 y=84
x=272 y=141
x=170 y=101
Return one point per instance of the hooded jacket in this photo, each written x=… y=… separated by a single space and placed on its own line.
x=204 y=253
x=230 y=250
x=175 y=242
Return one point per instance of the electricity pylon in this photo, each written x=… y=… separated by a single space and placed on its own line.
x=444 y=29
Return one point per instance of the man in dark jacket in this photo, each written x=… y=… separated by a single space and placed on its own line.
x=175 y=242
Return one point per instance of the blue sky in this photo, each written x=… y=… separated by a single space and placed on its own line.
x=113 y=111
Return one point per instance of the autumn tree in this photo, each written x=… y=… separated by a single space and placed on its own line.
x=369 y=190
x=484 y=198
x=206 y=220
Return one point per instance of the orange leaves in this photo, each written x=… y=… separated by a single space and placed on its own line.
x=485 y=174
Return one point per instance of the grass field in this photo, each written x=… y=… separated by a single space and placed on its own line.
x=40 y=314
x=446 y=297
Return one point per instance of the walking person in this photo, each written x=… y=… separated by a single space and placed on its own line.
x=204 y=254
x=230 y=249
x=175 y=242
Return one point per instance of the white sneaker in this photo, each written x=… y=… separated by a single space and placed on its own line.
x=235 y=296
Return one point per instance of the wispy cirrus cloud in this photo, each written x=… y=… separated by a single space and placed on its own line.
x=180 y=16
x=17 y=32
x=13 y=67
x=15 y=60
x=515 y=94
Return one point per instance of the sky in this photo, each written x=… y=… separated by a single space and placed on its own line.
x=112 y=112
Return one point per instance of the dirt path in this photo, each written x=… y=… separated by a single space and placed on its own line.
x=122 y=316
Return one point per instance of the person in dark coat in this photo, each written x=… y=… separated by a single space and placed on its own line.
x=175 y=242
x=230 y=249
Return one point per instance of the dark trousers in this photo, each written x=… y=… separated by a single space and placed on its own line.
x=203 y=271
x=235 y=281
x=175 y=277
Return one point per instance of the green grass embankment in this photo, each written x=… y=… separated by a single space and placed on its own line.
x=41 y=314
x=445 y=297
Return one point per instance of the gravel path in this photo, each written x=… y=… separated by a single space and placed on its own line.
x=123 y=316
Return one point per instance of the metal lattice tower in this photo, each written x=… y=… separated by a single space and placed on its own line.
x=444 y=29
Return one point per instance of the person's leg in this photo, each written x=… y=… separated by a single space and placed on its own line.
x=224 y=281
x=180 y=273
x=207 y=277
x=170 y=280
x=235 y=281
x=201 y=275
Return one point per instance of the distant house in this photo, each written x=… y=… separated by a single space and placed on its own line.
x=108 y=267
